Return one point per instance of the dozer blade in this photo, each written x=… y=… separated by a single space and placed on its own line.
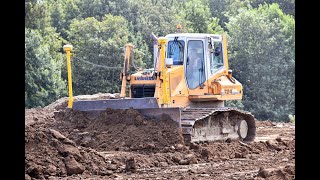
x=135 y=103
x=173 y=112
x=146 y=106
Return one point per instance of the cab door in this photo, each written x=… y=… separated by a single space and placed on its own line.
x=195 y=66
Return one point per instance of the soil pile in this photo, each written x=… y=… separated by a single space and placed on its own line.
x=120 y=130
x=123 y=144
x=49 y=153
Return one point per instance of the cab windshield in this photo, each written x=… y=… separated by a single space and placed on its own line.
x=176 y=51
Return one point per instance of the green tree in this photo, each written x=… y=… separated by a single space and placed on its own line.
x=149 y=16
x=214 y=27
x=98 y=53
x=62 y=13
x=287 y=6
x=222 y=9
x=264 y=61
x=197 y=15
x=37 y=14
x=43 y=82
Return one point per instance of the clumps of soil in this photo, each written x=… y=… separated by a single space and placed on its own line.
x=38 y=115
x=123 y=144
x=264 y=123
x=288 y=173
x=69 y=146
x=222 y=151
x=49 y=153
x=120 y=130
x=285 y=173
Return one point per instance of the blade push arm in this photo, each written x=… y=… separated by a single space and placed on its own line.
x=125 y=71
x=162 y=85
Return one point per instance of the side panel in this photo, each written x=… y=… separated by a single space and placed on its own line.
x=230 y=90
x=178 y=87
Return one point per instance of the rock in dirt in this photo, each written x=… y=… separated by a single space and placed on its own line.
x=205 y=154
x=263 y=173
x=163 y=164
x=184 y=162
x=106 y=173
x=150 y=146
x=51 y=169
x=237 y=155
x=130 y=165
x=112 y=167
x=192 y=171
x=66 y=150
x=57 y=134
x=279 y=139
x=191 y=158
x=27 y=177
x=180 y=147
x=72 y=166
x=281 y=174
x=34 y=171
x=194 y=146
x=273 y=145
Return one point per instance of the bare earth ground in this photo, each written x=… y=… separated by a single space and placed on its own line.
x=122 y=144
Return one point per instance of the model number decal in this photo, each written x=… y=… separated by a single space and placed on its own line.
x=228 y=91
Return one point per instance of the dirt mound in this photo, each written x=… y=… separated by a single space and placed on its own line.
x=264 y=123
x=49 y=153
x=69 y=146
x=287 y=173
x=121 y=130
x=38 y=115
x=123 y=144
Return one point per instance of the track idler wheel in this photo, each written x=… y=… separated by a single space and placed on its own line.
x=242 y=129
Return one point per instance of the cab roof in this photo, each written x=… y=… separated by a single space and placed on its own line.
x=216 y=36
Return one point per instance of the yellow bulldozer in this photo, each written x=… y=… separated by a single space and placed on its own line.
x=190 y=82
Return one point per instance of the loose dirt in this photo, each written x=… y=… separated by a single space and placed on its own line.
x=123 y=144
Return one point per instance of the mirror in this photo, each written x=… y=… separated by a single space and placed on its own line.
x=210 y=44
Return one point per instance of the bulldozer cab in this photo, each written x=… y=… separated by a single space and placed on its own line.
x=201 y=56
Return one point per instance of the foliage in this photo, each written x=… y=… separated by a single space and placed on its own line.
x=222 y=9
x=264 y=38
x=286 y=6
x=197 y=15
x=292 y=118
x=37 y=14
x=101 y=43
x=234 y=103
x=43 y=82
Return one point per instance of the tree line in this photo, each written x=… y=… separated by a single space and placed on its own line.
x=261 y=42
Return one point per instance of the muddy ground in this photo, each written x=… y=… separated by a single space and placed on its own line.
x=67 y=145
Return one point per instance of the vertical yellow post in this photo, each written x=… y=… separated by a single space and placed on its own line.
x=163 y=70
x=68 y=48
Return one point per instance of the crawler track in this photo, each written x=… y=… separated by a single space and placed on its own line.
x=214 y=124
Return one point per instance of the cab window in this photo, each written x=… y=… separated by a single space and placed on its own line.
x=216 y=58
x=176 y=51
